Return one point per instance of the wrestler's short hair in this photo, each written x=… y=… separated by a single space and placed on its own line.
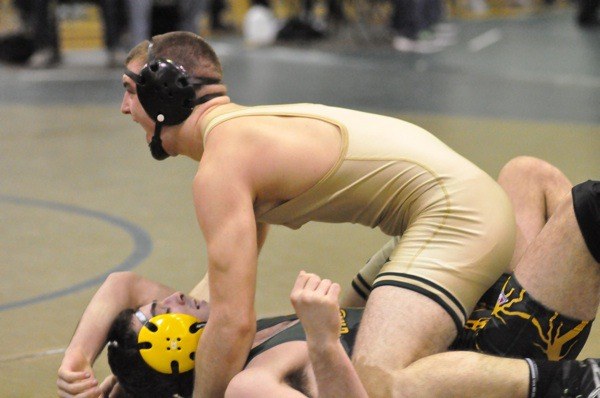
x=186 y=49
x=138 y=52
x=134 y=375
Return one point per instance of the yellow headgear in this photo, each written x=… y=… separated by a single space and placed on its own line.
x=168 y=342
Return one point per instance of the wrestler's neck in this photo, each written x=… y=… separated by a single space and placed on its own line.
x=191 y=134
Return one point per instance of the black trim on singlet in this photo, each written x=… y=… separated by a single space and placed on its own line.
x=296 y=332
x=359 y=291
x=264 y=323
x=458 y=322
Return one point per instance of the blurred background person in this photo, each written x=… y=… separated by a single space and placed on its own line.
x=418 y=26
x=42 y=24
x=587 y=13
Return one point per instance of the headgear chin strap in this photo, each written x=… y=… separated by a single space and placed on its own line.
x=168 y=342
x=168 y=95
x=156 y=148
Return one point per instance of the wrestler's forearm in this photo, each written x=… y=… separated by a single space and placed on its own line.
x=335 y=375
x=225 y=347
x=230 y=329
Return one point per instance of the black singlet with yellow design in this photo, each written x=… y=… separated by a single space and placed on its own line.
x=350 y=322
x=509 y=322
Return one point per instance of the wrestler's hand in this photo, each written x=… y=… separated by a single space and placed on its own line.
x=76 y=377
x=111 y=388
x=317 y=307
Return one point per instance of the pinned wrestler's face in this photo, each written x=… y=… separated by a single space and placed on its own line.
x=131 y=104
x=177 y=303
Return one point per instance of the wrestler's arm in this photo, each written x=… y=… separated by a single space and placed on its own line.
x=119 y=291
x=201 y=291
x=316 y=304
x=261 y=234
x=224 y=199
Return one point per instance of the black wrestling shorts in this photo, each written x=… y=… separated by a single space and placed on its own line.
x=508 y=322
x=586 y=203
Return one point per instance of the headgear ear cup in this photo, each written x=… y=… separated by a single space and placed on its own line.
x=168 y=95
x=168 y=342
x=165 y=92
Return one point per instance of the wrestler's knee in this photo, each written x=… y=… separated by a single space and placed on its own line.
x=382 y=377
x=380 y=381
x=586 y=204
x=375 y=377
x=524 y=167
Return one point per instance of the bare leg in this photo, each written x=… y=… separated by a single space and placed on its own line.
x=535 y=189
x=389 y=365
x=558 y=270
x=379 y=356
x=560 y=273
x=555 y=267
x=464 y=374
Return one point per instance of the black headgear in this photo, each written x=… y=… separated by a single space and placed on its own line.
x=168 y=95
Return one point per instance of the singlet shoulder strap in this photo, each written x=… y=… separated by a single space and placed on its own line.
x=229 y=111
x=217 y=115
x=264 y=323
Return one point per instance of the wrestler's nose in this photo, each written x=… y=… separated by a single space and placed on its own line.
x=125 y=108
x=175 y=298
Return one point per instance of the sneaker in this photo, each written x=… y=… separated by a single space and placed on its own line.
x=578 y=379
x=437 y=38
x=421 y=46
x=44 y=59
x=445 y=34
x=446 y=29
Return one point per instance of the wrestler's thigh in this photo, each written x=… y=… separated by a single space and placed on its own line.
x=400 y=326
x=558 y=270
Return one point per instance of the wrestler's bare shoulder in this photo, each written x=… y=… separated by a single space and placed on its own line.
x=290 y=154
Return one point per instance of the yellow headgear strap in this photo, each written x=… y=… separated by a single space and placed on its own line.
x=168 y=342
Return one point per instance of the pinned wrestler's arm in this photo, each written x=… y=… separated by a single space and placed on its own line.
x=316 y=304
x=119 y=291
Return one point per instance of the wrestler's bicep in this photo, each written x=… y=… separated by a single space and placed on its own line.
x=224 y=207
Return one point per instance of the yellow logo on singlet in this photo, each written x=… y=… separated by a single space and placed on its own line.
x=344 y=328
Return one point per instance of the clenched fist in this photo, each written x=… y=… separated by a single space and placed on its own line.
x=316 y=303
